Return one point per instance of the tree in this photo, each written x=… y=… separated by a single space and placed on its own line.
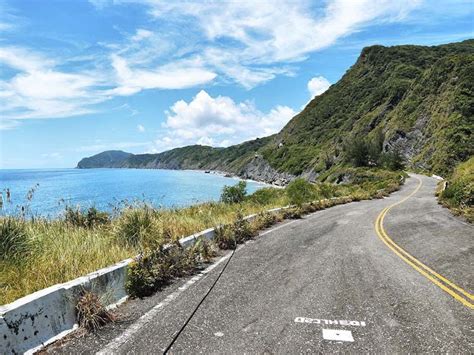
x=357 y=152
x=234 y=194
x=393 y=160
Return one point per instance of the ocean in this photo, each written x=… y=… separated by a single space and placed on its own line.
x=107 y=189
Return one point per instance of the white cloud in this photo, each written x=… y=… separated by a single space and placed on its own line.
x=39 y=90
x=261 y=33
x=140 y=128
x=189 y=44
x=141 y=34
x=170 y=76
x=218 y=121
x=318 y=85
x=23 y=59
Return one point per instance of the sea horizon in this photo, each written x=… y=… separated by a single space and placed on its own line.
x=108 y=189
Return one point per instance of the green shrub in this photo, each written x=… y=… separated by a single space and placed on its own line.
x=357 y=152
x=459 y=193
x=205 y=249
x=234 y=194
x=264 y=196
x=326 y=190
x=265 y=220
x=242 y=229
x=364 y=152
x=96 y=218
x=154 y=268
x=224 y=237
x=299 y=191
x=393 y=160
x=293 y=213
x=74 y=217
x=311 y=207
x=135 y=226
x=89 y=219
x=15 y=243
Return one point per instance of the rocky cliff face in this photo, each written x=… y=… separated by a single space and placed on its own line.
x=259 y=169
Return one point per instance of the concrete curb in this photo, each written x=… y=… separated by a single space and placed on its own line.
x=36 y=320
x=40 y=318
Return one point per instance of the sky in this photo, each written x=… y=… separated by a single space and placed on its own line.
x=79 y=77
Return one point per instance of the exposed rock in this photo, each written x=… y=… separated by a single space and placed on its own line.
x=259 y=169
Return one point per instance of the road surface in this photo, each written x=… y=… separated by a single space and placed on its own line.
x=330 y=282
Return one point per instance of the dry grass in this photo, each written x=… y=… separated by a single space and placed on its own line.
x=60 y=251
x=91 y=313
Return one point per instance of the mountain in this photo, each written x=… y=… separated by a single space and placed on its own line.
x=107 y=159
x=416 y=100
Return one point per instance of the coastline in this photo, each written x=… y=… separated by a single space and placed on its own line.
x=232 y=176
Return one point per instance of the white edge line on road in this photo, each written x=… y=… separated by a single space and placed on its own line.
x=115 y=344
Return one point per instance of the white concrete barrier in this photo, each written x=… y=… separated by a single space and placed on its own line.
x=37 y=319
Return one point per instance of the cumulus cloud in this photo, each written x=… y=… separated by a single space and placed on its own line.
x=318 y=85
x=218 y=121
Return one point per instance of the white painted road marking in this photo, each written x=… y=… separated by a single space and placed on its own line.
x=329 y=321
x=337 y=335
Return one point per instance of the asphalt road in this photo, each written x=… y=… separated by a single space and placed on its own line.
x=326 y=283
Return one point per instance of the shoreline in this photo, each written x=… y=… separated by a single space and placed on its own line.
x=231 y=176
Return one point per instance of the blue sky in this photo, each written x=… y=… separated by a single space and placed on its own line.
x=78 y=77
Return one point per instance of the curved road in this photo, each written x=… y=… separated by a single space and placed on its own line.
x=326 y=283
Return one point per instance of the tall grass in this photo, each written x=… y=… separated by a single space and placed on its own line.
x=50 y=252
x=459 y=192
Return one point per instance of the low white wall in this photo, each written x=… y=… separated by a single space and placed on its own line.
x=38 y=319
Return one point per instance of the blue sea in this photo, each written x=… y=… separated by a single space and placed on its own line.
x=107 y=189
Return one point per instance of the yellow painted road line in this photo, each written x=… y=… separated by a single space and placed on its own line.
x=426 y=271
x=416 y=261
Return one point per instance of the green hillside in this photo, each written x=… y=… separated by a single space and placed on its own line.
x=414 y=100
x=420 y=99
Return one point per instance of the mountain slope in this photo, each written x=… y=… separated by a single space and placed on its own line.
x=417 y=100
x=420 y=99
x=107 y=159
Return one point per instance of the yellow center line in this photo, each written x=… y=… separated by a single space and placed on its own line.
x=439 y=280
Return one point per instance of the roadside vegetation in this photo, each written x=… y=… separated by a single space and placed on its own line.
x=36 y=253
x=459 y=192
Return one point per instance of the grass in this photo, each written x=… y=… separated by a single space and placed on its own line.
x=459 y=193
x=91 y=313
x=51 y=252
